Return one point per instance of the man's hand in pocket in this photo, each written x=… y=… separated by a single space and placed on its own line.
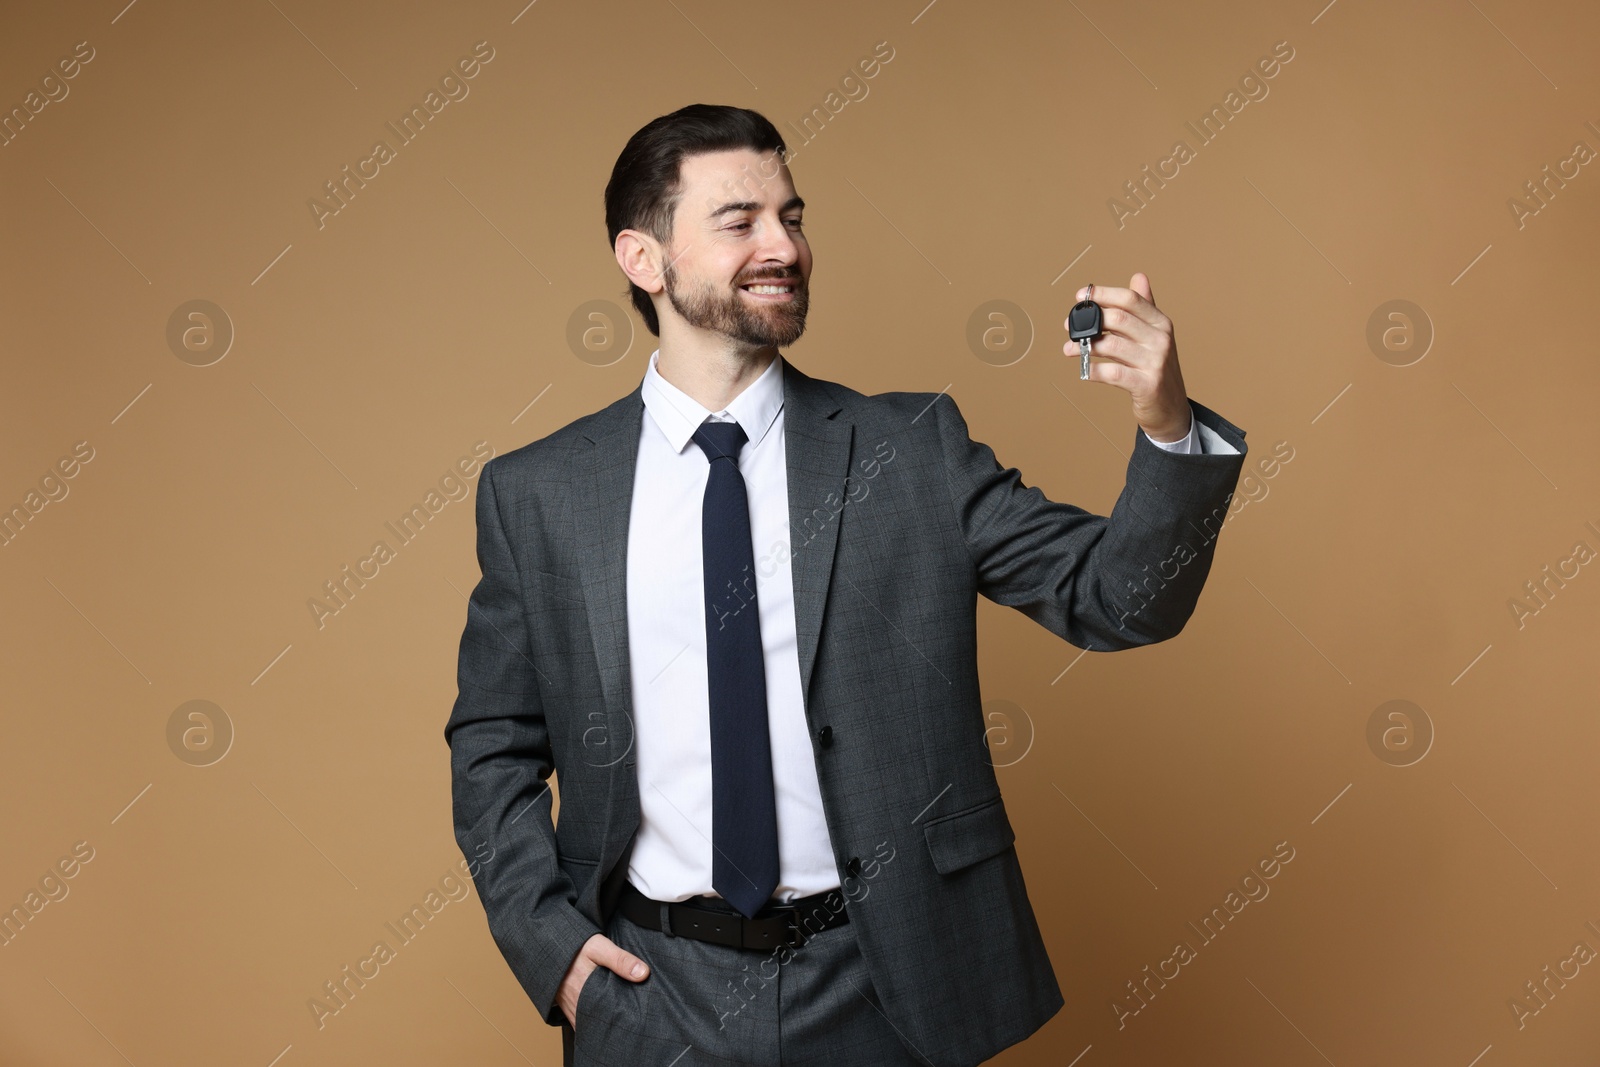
x=598 y=951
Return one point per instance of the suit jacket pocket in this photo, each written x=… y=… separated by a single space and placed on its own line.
x=962 y=838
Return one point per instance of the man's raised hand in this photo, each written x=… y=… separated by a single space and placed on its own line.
x=1140 y=355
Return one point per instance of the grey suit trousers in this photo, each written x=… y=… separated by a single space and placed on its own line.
x=705 y=1003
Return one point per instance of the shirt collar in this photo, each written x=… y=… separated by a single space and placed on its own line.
x=678 y=415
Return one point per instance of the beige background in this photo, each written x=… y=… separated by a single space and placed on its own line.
x=433 y=311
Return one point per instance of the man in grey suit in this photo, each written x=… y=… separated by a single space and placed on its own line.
x=735 y=613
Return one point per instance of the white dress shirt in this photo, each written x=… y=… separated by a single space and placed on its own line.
x=667 y=645
x=671 y=859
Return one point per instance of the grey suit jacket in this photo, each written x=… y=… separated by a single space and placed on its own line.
x=898 y=521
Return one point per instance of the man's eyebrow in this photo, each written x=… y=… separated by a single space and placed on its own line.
x=751 y=205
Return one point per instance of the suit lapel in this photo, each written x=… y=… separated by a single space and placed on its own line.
x=817 y=446
x=602 y=503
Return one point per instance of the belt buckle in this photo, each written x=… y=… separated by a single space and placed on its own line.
x=794 y=935
x=755 y=931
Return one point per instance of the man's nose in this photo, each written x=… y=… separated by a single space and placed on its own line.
x=778 y=247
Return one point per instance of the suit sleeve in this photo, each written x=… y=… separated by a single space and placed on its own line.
x=1099 y=582
x=1201 y=439
x=500 y=764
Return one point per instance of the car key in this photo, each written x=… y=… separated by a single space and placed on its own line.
x=1083 y=326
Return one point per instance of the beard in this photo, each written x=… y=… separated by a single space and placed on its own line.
x=730 y=314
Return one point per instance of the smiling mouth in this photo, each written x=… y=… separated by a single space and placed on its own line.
x=771 y=289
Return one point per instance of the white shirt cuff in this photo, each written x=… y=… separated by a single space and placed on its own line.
x=1200 y=440
x=1188 y=444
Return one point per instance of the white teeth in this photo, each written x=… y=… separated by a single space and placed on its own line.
x=768 y=288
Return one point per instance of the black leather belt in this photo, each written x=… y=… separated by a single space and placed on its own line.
x=775 y=924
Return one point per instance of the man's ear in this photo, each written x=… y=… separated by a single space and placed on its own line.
x=640 y=257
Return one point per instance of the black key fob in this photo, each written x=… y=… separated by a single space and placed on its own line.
x=1083 y=321
x=1083 y=326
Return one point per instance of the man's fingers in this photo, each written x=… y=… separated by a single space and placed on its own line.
x=1129 y=325
x=1116 y=320
x=1119 y=356
x=1129 y=300
x=1122 y=344
x=620 y=960
x=1111 y=372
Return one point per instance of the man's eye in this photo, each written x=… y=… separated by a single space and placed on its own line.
x=746 y=225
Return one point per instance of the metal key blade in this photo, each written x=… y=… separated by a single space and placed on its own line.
x=1083 y=371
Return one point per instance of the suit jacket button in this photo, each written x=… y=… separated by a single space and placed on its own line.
x=825 y=735
x=853 y=867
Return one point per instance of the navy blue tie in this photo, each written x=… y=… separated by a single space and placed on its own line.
x=744 y=810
